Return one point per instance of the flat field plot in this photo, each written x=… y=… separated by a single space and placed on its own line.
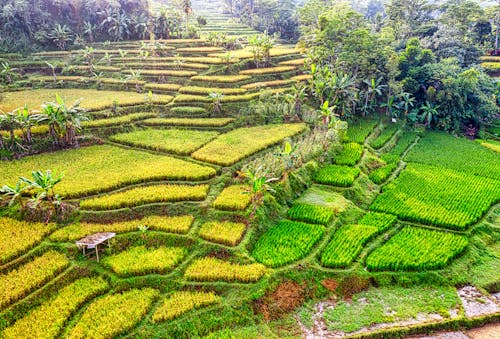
x=95 y=169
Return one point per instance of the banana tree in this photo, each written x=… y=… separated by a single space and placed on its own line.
x=216 y=102
x=14 y=193
x=25 y=121
x=259 y=185
x=374 y=88
x=429 y=113
x=8 y=73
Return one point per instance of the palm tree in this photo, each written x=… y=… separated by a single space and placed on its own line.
x=8 y=73
x=429 y=113
x=60 y=35
x=374 y=89
x=187 y=9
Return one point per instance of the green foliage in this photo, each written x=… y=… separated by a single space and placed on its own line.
x=182 y=302
x=212 y=269
x=114 y=314
x=175 y=141
x=48 y=320
x=438 y=196
x=311 y=213
x=350 y=155
x=417 y=249
x=141 y=260
x=19 y=282
x=286 y=242
x=337 y=175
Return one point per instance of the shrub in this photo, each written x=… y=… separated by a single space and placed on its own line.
x=182 y=302
x=234 y=198
x=141 y=260
x=146 y=195
x=19 y=236
x=229 y=148
x=287 y=242
x=417 y=249
x=175 y=141
x=114 y=314
x=47 y=320
x=212 y=269
x=227 y=233
x=337 y=175
x=178 y=224
x=19 y=282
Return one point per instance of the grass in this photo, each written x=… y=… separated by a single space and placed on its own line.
x=182 y=302
x=175 y=141
x=416 y=249
x=336 y=175
x=221 y=78
x=207 y=90
x=438 y=196
x=174 y=224
x=388 y=304
x=114 y=314
x=95 y=169
x=233 y=198
x=146 y=195
x=287 y=242
x=189 y=122
x=92 y=100
x=48 y=320
x=212 y=269
x=19 y=282
x=19 y=236
x=229 y=148
x=141 y=260
x=226 y=232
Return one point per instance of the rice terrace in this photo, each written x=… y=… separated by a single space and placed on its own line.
x=249 y=169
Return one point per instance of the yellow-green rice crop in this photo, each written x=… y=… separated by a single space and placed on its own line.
x=164 y=65
x=177 y=141
x=19 y=236
x=294 y=62
x=146 y=195
x=207 y=90
x=164 y=72
x=225 y=232
x=176 y=224
x=272 y=83
x=417 y=249
x=229 y=148
x=118 y=120
x=141 y=260
x=19 y=282
x=47 y=320
x=337 y=175
x=182 y=302
x=114 y=314
x=212 y=269
x=350 y=155
x=92 y=99
x=221 y=78
x=234 y=198
x=269 y=70
x=208 y=49
x=189 y=122
x=95 y=169
x=190 y=98
x=163 y=87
